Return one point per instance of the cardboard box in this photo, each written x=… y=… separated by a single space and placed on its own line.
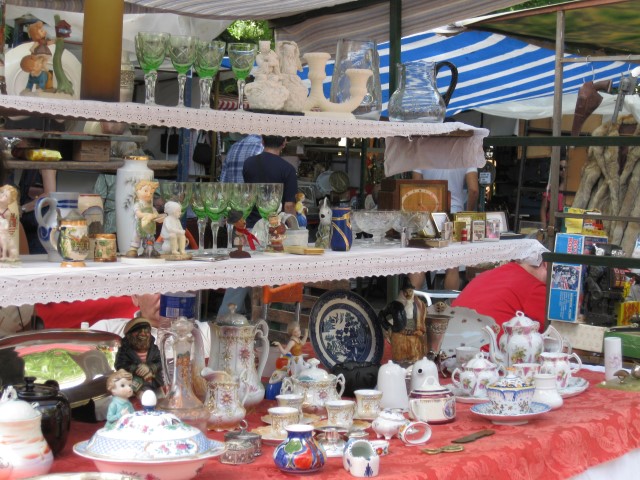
x=91 y=151
x=565 y=291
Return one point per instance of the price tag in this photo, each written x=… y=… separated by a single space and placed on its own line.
x=484 y=178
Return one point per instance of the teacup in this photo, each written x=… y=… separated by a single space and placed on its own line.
x=368 y=403
x=464 y=354
x=294 y=400
x=282 y=417
x=526 y=371
x=340 y=412
x=559 y=364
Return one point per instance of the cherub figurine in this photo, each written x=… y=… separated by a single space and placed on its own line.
x=36 y=67
x=323 y=236
x=9 y=233
x=277 y=233
x=174 y=238
x=267 y=61
x=119 y=384
x=139 y=355
x=294 y=347
x=301 y=210
x=241 y=235
x=146 y=217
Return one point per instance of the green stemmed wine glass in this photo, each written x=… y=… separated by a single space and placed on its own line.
x=182 y=52
x=209 y=56
x=242 y=56
x=176 y=192
x=151 y=50
x=268 y=199
x=198 y=207
x=242 y=197
x=216 y=199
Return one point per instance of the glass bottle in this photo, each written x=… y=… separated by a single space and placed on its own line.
x=417 y=98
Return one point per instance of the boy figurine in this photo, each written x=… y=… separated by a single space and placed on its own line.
x=119 y=384
x=241 y=235
x=146 y=217
x=277 y=233
x=36 y=67
x=174 y=238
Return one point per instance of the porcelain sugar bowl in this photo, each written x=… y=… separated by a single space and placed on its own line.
x=24 y=452
x=150 y=444
x=317 y=385
x=389 y=422
x=475 y=375
x=510 y=395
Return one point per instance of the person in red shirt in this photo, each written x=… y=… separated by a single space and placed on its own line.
x=501 y=292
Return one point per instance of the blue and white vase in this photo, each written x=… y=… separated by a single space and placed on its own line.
x=341 y=233
x=300 y=452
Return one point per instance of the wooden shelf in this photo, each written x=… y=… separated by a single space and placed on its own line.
x=110 y=166
x=71 y=136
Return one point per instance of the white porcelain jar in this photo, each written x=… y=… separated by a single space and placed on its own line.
x=546 y=390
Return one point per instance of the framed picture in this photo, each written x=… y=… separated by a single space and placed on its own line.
x=414 y=195
x=501 y=217
x=439 y=219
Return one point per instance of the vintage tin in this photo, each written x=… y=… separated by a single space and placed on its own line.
x=105 y=249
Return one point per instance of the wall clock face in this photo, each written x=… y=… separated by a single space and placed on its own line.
x=419 y=199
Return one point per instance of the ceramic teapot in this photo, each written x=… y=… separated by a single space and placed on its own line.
x=224 y=402
x=388 y=423
x=24 y=452
x=475 y=375
x=316 y=385
x=392 y=384
x=521 y=341
x=232 y=350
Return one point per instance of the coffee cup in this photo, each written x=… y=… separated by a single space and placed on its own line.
x=294 y=400
x=368 y=403
x=282 y=417
x=464 y=354
x=340 y=412
x=526 y=371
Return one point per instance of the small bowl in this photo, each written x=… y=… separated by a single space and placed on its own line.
x=510 y=396
x=380 y=446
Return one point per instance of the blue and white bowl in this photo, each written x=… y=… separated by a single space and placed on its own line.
x=510 y=396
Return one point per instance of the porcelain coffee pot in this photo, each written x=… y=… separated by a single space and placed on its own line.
x=24 y=452
x=521 y=341
x=232 y=350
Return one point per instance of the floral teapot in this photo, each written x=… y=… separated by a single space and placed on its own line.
x=24 y=452
x=316 y=385
x=475 y=375
x=521 y=341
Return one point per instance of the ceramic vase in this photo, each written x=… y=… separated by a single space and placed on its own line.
x=300 y=452
x=341 y=233
x=64 y=202
x=127 y=176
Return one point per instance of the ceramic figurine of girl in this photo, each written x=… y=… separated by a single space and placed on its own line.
x=301 y=210
x=294 y=348
x=119 y=384
x=174 y=238
x=41 y=43
x=9 y=232
x=146 y=217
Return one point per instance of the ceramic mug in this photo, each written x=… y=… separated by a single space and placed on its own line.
x=64 y=202
x=340 y=412
x=560 y=365
x=368 y=403
x=526 y=371
x=282 y=417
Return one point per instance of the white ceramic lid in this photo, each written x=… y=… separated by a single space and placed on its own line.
x=13 y=410
x=313 y=373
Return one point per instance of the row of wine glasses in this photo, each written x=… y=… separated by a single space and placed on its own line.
x=186 y=52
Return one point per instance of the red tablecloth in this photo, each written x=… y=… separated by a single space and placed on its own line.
x=591 y=428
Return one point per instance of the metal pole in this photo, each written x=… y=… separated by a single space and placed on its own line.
x=395 y=37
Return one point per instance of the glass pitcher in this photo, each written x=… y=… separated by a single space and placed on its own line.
x=417 y=99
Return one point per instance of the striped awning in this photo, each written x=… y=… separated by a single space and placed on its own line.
x=492 y=68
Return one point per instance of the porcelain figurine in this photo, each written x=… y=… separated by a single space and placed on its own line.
x=388 y=423
x=146 y=217
x=290 y=65
x=301 y=210
x=241 y=236
x=323 y=236
x=24 y=452
x=119 y=384
x=266 y=91
x=36 y=67
x=294 y=348
x=173 y=235
x=277 y=233
x=9 y=218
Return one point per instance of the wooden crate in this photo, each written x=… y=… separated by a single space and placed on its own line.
x=91 y=150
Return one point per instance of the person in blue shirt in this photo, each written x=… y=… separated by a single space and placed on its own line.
x=232 y=167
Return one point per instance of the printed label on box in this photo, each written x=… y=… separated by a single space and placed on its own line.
x=565 y=291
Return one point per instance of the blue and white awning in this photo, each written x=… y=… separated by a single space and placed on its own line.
x=492 y=68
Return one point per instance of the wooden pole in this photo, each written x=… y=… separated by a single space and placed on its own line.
x=101 y=50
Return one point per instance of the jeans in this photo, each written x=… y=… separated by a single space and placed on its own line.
x=238 y=297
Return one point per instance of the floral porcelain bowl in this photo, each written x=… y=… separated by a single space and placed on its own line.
x=510 y=395
x=152 y=444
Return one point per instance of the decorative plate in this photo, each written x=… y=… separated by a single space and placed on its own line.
x=466 y=328
x=323 y=182
x=343 y=327
x=269 y=437
x=576 y=386
x=486 y=410
x=462 y=397
x=17 y=79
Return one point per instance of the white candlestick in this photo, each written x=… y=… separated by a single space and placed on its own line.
x=612 y=356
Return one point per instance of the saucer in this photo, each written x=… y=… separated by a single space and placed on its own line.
x=576 y=386
x=486 y=410
x=357 y=424
x=462 y=397
x=368 y=418
x=268 y=436
x=306 y=419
